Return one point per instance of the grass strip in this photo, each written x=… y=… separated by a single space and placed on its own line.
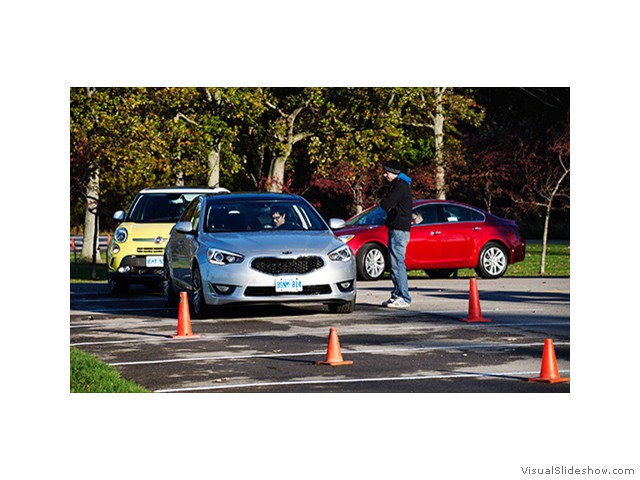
x=91 y=375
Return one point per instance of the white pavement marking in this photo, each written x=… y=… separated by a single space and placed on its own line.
x=350 y=380
x=104 y=300
x=344 y=330
x=348 y=352
x=117 y=310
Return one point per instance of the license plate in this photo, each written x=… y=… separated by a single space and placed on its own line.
x=288 y=284
x=155 y=262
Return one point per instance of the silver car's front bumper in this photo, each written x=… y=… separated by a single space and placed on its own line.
x=334 y=282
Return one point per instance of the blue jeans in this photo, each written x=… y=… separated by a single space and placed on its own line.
x=398 y=241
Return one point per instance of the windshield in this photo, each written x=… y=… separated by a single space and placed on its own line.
x=374 y=216
x=260 y=215
x=160 y=207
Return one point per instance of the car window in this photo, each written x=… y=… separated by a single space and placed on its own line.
x=457 y=213
x=425 y=214
x=259 y=215
x=159 y=207
x=189 y=212
x=195 y=214
x=375 y=216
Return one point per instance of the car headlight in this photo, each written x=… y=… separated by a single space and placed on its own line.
x=120 y=235
x=341 y=254
x=222 y=257
x=346 y=238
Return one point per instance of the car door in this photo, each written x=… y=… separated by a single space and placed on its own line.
x=460 y=228
x=424 y=250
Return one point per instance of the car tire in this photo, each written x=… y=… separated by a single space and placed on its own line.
x=199 y=306
x=371 y=262
x=493 y=261
x=344 y=307
x=170 y=296
x=441 y=272
x=117 y=286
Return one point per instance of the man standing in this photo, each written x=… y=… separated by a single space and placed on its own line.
x=398 y=204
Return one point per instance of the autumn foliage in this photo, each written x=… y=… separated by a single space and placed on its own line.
x=504 y=150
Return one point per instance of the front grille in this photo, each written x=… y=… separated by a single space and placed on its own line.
x=281 y=266
x=271 y=291
x=150 y=250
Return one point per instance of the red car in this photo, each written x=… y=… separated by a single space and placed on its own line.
x=445 y=236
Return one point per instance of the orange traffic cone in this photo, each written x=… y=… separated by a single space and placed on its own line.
x=475 y=313
x=549 y=369
x=334 y=357
x=184 y=319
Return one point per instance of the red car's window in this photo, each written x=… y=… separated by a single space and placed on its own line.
x=457 y=213
x=375 y=216
x=425 y=215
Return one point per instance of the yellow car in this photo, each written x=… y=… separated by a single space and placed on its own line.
x=136 y=251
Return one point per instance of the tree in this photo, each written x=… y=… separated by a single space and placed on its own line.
x=83 y=134
x=489 y=169
x=358 y=131
x=539 y=172
x=295 y=119
x=231 y=116
x=326 y=143
x=555 y=183
x=439 y=110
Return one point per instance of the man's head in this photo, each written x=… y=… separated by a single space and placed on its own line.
x=278 y=215
x=391 y=170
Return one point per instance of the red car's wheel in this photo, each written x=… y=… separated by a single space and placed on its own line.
x=371 y=262
x=493 y=261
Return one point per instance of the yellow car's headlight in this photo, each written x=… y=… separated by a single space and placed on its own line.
x=121 y=235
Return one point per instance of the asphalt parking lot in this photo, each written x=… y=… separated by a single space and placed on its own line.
x=275 y=349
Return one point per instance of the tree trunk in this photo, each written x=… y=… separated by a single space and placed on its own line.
x=438 y=131
x=358 y=199
x=488 y=197
x=547 y=216
x=214 y=167
x=289 y=138
x=276 y=172
x=91 y=225
x=545 y=234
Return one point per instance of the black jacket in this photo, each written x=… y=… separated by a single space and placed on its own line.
x=398 y=204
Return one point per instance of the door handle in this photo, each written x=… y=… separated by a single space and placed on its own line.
x=477 y=228
x=436 y=232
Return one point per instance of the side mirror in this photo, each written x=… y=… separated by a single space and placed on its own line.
x=119 y=215
x=337 y=223
x=184 y=227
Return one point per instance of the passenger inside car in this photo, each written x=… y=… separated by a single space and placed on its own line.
x=425 y=214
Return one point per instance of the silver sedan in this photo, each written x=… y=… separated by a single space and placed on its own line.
x=257 y=248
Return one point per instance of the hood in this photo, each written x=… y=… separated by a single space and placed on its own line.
x=354 y=229
x=273 y=243
x=148 y=231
